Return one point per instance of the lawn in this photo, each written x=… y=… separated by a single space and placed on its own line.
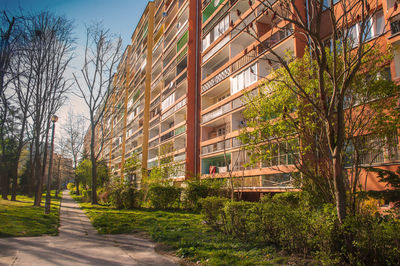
x=182 y=233
x=21 y=218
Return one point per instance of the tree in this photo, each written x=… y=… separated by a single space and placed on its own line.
x=84 y=173
x=74 y=129
x=131 y=167
x=101 y=56
x=330 y=78
x=281 y=122
x=9 y=36
x=48 y=51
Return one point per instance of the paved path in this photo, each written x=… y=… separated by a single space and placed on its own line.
x=79 y=244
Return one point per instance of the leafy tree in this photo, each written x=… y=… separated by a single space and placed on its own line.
x=289 y=114
x=84 y=172
x=331 y=72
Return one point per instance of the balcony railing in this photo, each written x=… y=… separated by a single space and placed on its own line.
x=167 y=136
x=248 y=57
x=216 y=79
x=174 y=109
x=180 y=157
x=215 y=147
x=154 y=122
x=217 y=112
x=153 y=143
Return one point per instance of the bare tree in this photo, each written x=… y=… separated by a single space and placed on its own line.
x=9 y=34
x=101 y=56
x=48 y=52
x=74 y=129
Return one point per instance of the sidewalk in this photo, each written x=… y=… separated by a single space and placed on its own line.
x=79 y=244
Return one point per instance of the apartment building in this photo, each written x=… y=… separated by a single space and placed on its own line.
x=174 y=87
x=234 y=62
x=179 y=89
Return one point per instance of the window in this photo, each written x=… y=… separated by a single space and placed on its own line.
x=216 y=32
x=168 y=101
x=221 y=131
x=373 y=28
x=327 y=3
x=244 y=79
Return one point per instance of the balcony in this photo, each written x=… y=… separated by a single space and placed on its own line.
x=173 y=109
x=245 y=58
x=216 y=147
x=280 y=180
x=216 y=165
x=217 y=112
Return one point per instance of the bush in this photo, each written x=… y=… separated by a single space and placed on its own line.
x=197 y=190
x=164 y=196
x=71 y=187
x=115 y=196
x=123 y=196
x=289 y=222
x=130 y=197
x=212 y=211
x=374 y=239
x=237 y=215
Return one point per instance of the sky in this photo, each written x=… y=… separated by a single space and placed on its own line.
x=120 y=16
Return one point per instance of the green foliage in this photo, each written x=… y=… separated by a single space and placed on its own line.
x=132 y=165
x=123 y=195
x=164 y=196
x=288 y=222
x=375 y=240
x=300 y=103
x=20 y=218
x=212 y=211
x=392 y=181
x=84 y=173
x=199 y=189
x=71 y=186
x=183 y=233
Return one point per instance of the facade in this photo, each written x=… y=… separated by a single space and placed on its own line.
x=180 y=86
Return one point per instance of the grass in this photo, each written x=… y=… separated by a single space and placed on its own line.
x=21 y=218
x=183 y=233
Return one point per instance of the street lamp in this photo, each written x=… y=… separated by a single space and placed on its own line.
x=54 y=119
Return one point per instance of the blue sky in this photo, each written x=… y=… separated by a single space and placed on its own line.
x=121 y=16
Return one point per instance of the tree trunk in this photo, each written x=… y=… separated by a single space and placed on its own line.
x=58 y=177
x=340 y=189
x=14 y=183
x=94 y=181
x=94 y=165
x=5 y=183
x=37 y=176
x=77 y=186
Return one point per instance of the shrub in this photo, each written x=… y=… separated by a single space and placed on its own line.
x=164 y=196
x=374 y=239
x=213 y=213
x=71 y=187
x=237 y=215
x=115 y=197
x=197 y=190
x=130 y=197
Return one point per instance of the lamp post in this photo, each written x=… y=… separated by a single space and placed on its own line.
x=54 y=119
